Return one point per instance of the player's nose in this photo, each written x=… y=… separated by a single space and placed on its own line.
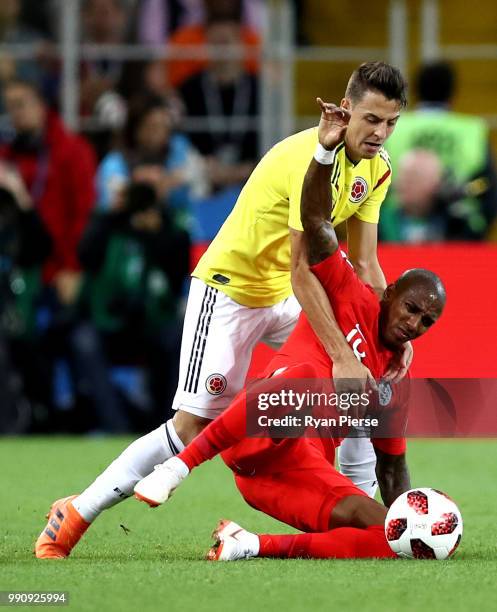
x=412 y=323
x=381 y=132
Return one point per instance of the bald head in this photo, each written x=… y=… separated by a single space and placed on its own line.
x=411 y=306
x=426 y=280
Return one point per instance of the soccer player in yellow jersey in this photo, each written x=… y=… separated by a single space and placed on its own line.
x=253 y=280
x=250 y=258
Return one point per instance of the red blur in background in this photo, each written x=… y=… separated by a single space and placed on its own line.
x=463 y=343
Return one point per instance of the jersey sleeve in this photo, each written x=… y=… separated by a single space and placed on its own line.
x=369 y=210
x=338 y=277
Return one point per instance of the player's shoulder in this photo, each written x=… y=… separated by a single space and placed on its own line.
x=306 y=139
x=291 y=153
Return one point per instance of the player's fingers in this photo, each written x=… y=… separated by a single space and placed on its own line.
x=407 y=355
x=400 y=375
x=347 y=386
x=409 y=359
x=372 y=382
x=328 y=107
x=390 y=374
x=340 y=113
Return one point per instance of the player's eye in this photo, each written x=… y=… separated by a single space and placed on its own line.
x=410 y=307
x=427 y=321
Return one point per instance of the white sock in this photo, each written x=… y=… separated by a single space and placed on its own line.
x=357 y=461
x=178 y=466
x=116 y=483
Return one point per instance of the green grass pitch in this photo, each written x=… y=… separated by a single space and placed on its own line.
x=158 y=564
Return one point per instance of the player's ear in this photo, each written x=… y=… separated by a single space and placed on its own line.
x=346 y=103
x=389 y=292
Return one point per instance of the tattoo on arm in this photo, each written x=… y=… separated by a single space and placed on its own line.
x=315 y=211
x=321 y=242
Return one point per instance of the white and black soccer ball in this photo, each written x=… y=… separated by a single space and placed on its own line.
x=423 y=524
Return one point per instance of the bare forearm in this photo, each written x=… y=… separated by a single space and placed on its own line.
x=372 y=274
x=321 y=242
x=316 y=203
x=393 y=479
x=315 y=212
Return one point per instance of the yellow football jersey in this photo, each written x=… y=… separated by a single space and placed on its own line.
x=249 y=259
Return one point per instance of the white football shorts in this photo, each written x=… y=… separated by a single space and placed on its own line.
x=219 y=336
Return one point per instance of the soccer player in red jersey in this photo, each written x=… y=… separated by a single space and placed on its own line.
x=242 y=292
x=294 y=480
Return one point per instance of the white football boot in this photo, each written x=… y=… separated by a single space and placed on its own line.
x=157 y=487
x=232 y=542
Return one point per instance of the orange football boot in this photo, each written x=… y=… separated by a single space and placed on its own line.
x=63 y=531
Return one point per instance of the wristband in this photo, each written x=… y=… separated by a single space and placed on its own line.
x=324 y=156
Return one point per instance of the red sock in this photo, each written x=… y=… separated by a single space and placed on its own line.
x=230 y=427
x=341 y=543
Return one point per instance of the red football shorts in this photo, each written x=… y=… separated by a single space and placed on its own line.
x=294 y=483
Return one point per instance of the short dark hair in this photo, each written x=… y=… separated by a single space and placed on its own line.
x=380 y=77
x=436 y=82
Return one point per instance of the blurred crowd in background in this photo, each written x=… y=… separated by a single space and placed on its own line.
x=96 y=228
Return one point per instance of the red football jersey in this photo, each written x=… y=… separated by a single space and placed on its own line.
x=357 y=309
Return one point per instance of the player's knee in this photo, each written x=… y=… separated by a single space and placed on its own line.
x=304 y=370
x=357 y=460
x=188 y=425
x=357 y=511
x=301 y=370
x=343 y=513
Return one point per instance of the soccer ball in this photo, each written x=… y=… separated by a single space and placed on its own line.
x=423 y=524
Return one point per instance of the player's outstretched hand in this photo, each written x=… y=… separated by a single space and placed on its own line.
x=332 y=124
x=400 y=364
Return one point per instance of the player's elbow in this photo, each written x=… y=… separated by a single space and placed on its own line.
x=362 y=266
x=365 y=267
x=321 y=241
x=298 y=276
